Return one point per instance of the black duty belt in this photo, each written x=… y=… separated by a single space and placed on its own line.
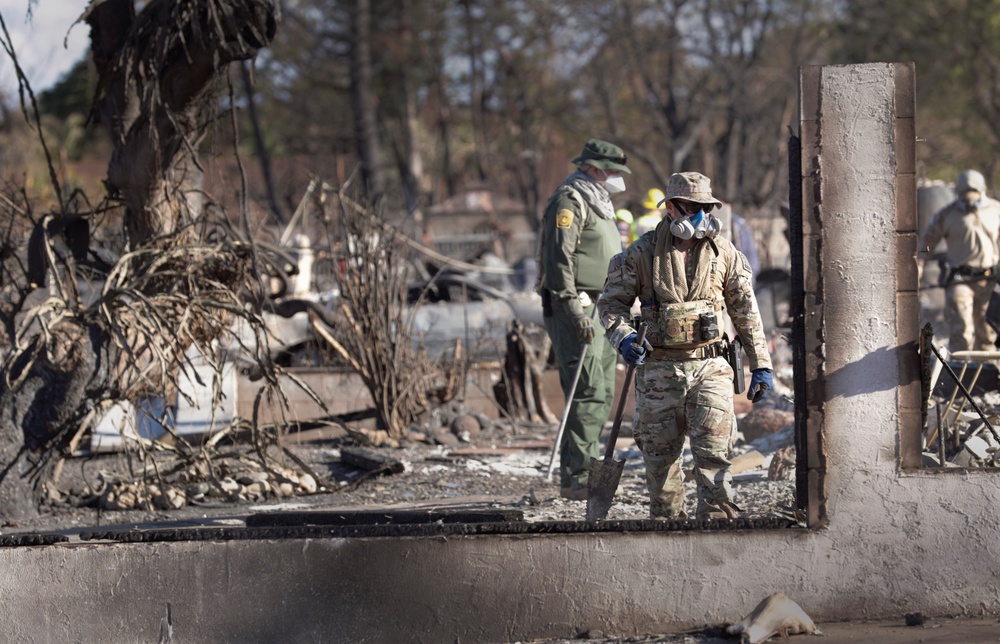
x=975 y=271
x=713 y=350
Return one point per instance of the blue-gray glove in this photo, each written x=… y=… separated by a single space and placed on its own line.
x=634 y=354
x=760 y=384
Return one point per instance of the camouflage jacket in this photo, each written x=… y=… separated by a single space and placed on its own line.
x=630 y=276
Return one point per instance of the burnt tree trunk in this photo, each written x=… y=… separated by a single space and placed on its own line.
x=159 y=72
x=39 y=415
x=366 y=132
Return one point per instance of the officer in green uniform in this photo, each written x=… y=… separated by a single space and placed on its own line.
x=579 y=236
x=685 y=275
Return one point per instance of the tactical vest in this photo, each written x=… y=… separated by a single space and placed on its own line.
x=684 y=325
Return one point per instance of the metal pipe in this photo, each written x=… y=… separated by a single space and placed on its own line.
x=976 y=356
x=954 y=394
x=971 y=385
x=942 y=451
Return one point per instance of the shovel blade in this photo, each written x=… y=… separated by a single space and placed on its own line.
x=602 y=483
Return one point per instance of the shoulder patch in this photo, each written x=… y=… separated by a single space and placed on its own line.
x=564 y=218
x=744 y=263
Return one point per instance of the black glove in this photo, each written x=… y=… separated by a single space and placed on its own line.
x=584 y=328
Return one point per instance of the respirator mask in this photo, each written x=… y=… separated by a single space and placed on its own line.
x=696 y=225
x=614 y=184
x=972 y=204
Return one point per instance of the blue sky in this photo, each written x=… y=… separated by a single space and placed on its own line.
x=39 y=44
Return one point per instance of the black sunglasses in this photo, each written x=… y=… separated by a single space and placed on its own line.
x=692 y=207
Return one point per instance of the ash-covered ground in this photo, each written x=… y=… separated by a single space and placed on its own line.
x=499 y=465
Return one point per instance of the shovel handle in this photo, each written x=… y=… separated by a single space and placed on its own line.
x=609 y=451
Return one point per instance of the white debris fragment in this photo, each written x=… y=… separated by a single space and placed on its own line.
x=979 y=447
x=775 y=614
x=515 y=470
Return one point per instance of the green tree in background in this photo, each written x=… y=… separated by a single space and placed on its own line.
x=956 y=50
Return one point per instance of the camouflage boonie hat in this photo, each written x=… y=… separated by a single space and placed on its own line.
x=603 y=155
x=690 y=186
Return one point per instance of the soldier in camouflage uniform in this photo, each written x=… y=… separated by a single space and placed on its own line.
x=685 y=275
x=579 y=235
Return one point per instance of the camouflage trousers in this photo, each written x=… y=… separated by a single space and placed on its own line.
x=965 y=312
x=678 y=398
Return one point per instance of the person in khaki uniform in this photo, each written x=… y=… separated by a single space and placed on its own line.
x=685 y=275
x=579 y=235
x=970 y=228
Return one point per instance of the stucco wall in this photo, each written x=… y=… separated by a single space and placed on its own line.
x=897 y=540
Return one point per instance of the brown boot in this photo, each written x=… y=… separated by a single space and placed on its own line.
x=718 y=510
x=574 y=493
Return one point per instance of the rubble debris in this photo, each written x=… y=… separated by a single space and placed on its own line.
x=519 y=391
x=371 y=460
x=763 y=421
x=748 y=461
x=170 y=498
x=444 y=436
x=465 y=427
x=965 y=390
x=782 y=464
x=955 y=437
x=308 y=484
x=776 y=614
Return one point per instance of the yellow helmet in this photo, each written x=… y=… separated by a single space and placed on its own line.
x=653 y=199
x=624 y=214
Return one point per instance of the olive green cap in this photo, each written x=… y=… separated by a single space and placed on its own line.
x=603 y=155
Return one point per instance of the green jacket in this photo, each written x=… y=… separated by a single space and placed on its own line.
x=575 y=248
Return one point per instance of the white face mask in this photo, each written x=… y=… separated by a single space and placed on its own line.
x=615 y=184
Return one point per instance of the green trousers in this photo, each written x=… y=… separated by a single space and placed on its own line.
x=595 y=391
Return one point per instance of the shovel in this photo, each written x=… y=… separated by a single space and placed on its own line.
x=607 y=472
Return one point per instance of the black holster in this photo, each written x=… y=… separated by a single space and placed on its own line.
x=734 y=356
